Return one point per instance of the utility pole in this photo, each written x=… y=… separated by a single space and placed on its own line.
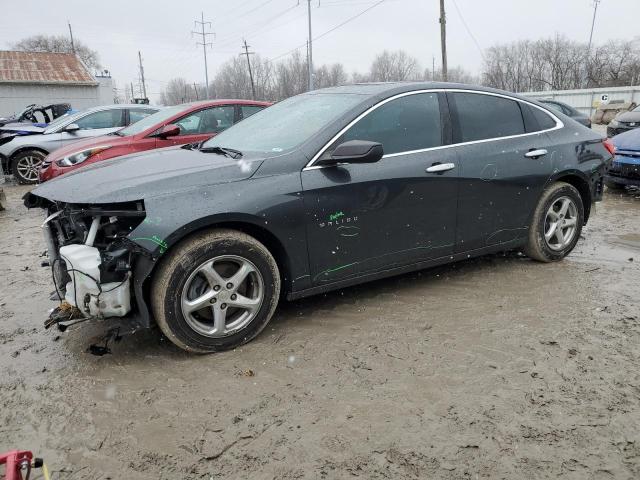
x=204 y=44
x=247 y=53
x=310 y=52
x=144 y=86
x=73 y=46
x=593 y=22
x=433 y=68
x=443 y=40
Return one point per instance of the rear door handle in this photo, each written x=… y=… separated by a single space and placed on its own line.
x=441 y=167
x=540 y=152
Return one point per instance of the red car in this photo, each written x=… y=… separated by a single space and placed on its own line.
x=177 y=125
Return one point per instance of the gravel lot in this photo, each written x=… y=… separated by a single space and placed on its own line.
x=497 y=367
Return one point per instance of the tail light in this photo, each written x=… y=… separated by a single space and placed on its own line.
x=608 y=144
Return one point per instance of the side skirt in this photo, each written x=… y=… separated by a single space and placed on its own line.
x=405 y=269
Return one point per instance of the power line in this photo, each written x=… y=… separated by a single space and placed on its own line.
x=144 y=86
x=310 y=48
x=443 y=39
x=204 y=44
x=330 y=30
x=262 y=27
x=455 y=4
x=593 y=22
x=247 y=53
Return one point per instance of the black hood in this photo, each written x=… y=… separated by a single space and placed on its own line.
x=139 y=176
x=627 y=117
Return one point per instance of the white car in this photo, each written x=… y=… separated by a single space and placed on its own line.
x=24 y=147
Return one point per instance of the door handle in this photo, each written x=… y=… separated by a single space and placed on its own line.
x=441 y=167
x=540 y=152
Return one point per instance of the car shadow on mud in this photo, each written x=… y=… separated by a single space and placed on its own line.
x=289 y=315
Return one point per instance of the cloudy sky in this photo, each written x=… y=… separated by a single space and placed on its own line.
x=117 y=29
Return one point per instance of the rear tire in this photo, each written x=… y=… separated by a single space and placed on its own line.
x=557 y=223
x=25 y=166
x=614 y=186
x=215 y=291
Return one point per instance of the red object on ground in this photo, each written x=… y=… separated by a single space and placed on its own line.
x=14 y=461
x=147 y=136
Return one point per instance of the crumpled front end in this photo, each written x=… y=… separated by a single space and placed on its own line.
x=91 y=256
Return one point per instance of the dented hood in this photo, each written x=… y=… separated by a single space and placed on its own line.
x=136 y=177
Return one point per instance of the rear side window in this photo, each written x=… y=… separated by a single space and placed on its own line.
x=544 y=119
x=480 y=117
x=247 y=110
x=136 y=115
x=407 y=123
x=103 y=119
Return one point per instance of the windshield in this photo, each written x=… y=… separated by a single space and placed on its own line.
x=65 y=118
x=285 y=125
x=151 y=120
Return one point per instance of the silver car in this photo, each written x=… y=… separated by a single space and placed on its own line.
x=23 y=147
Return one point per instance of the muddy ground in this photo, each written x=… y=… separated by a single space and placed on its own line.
x=497 y=367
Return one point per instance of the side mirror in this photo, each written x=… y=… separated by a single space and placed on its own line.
x=169 y=130
x=72 y=127
x=355 y=151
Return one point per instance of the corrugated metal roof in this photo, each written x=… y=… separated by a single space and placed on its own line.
x=43 y=67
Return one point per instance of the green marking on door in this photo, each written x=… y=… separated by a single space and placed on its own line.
x=336 y=216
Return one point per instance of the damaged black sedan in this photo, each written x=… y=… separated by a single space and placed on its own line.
x=321 y=191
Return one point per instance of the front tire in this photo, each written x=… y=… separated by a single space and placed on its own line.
x=26 y=166
x=215 y=291
x=557 y=223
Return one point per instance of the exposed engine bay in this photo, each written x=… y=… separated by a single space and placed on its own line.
x=91 y=256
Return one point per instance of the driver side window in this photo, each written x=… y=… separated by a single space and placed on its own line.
x=209 y=120
x=407 y=123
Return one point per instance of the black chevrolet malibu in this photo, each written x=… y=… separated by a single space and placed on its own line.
x=321 y=191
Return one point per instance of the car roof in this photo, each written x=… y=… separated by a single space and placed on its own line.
x=222 y=101
x=385 y=89
x=119 y=105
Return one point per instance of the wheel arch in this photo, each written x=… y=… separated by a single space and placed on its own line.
x=23 y=149
x=581 y=183
x=242 y=223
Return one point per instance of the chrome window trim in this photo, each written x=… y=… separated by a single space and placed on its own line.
x=559 y=124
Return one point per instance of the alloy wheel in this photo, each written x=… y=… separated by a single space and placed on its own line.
x=222 y=296
x=560 y=223
x=28 y=167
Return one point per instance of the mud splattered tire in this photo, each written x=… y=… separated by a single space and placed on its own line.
x=215 y=290
x=25 y=166
x=557 y=223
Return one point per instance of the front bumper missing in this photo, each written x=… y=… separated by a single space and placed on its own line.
x=76 y=271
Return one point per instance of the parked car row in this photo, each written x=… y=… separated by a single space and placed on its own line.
x=323 y=190
x=33 y=153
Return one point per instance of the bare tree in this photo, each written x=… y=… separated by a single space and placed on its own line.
x=558 y=63
x=394 y=67
x=58 y=44
x=178 y=91
x=330 y=75
x=454 y=74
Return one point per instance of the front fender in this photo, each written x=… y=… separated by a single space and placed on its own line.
x=272 y=204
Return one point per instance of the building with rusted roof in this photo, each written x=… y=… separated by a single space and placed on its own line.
x=45 y=78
